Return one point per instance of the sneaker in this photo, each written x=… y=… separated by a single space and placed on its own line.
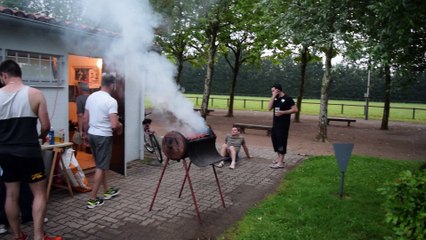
x=92 y=203
x=23 y=237
x=111 y=192
x=52 y=238
x=3 y=229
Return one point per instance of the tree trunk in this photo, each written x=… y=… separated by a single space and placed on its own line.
x=179 y=67
x=386 y=108
x=180 y=58
x=210 y=68
x=322 y=133
x=235 y=71
x=304 y=63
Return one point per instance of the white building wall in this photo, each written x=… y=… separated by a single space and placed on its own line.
x=33 y=38
x=30 y=40
x=133 y=121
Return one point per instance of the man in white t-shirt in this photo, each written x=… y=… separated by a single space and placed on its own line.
x=100 y=122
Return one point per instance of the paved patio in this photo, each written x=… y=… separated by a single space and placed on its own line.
x=127 y=216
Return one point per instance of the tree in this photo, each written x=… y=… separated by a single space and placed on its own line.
x=295 y=41
x=395 y=32
x=305 y=57
x=323 y=23
x=241 y=41
x=59 y=9
x=176 y=37
x=210 y=25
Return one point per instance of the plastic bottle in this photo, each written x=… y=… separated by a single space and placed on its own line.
x=51 y=136
x=61 y=135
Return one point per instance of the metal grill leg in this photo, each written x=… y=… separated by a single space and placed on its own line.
x=192 y=190
x=184 y=180
x=159 y=182
x=218 y=186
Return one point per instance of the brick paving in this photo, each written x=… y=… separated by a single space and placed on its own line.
x=127 y=215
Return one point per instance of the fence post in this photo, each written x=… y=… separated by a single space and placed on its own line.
x=261 y=104
x=244 y=103
x=414 y=113
x=341 y=109
x=196 y=101
x=212 y=102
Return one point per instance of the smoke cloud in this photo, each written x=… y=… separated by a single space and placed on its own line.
x=136 y=21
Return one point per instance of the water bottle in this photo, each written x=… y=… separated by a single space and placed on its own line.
x=51 y=136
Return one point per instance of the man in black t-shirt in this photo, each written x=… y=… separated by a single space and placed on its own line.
x=283 y=106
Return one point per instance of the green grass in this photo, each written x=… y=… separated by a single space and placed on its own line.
x=307 y=204
x=337 y=108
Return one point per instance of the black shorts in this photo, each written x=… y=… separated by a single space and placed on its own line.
x=25 y=169
x=279 y=140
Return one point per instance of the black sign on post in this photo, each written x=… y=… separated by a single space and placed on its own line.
x=343 y=152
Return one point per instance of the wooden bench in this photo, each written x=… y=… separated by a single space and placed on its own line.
x=348 y=120
x=243 y=126
x=208 y=110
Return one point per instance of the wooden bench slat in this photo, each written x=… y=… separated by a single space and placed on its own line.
x=243 y=126
x=348 y=120
x=208 y=110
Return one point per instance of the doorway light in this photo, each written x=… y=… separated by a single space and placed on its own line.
x=99 y=63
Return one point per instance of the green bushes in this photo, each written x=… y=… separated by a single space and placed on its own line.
x=405 y=205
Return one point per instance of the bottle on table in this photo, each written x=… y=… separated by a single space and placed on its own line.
x=51 y=136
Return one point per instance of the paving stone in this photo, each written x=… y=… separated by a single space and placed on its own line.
x=127 y=216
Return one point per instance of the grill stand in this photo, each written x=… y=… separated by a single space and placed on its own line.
x=217 y=182
x=187 y=168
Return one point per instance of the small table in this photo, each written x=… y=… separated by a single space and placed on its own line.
x=58 y=149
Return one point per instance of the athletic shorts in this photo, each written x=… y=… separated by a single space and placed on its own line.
x=228 y=155
x=279 y=140
x=102 y=150
x=25 y=169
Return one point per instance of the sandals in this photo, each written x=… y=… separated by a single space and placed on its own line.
x=276 y=166
x=219 y=165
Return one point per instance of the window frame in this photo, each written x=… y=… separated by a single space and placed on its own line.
x=47 y=69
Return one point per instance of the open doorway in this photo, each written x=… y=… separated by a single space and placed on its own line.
x=84 y=73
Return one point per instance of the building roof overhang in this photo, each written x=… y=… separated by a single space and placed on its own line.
x=17 y=17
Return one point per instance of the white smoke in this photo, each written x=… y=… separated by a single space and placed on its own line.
x=136 y=21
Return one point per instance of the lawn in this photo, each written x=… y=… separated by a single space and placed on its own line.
x=413 y=112
x=307 y=204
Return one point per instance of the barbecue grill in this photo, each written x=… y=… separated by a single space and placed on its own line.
x=200 y=149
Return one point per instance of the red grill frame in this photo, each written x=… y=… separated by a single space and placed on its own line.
x=200 y=150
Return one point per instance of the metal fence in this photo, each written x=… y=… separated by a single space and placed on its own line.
x=262 y=104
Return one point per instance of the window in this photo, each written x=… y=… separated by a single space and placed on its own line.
x=39 y=69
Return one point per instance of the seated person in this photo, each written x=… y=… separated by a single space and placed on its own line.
x=232 y=146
